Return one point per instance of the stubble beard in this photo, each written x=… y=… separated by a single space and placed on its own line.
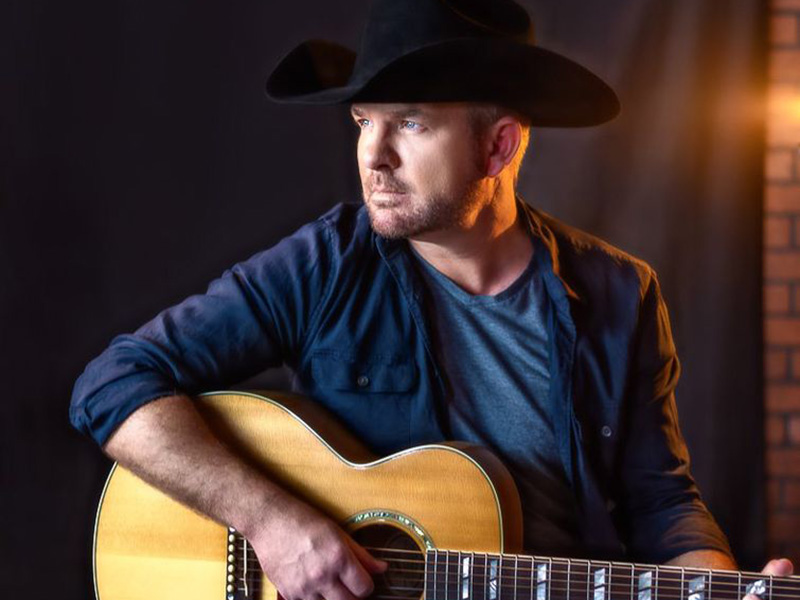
x=411 y=215
x=409 y=218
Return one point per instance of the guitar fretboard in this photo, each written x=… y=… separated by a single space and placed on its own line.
x=452 y=575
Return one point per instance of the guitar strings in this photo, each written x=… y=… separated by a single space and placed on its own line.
x=572 y=568
x=618 y=578
x=437 y=594
x=451 y=578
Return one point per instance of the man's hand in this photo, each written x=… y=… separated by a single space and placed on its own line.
x=304 y=554
x=779 y=567
x=307 y=556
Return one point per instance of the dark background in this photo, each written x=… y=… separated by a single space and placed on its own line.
x=140 y=158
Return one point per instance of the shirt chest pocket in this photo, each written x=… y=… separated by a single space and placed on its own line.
x=373 y=376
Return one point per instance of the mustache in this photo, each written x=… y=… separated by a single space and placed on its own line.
x=386 y=184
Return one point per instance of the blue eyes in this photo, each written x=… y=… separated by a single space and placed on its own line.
x=407 y=125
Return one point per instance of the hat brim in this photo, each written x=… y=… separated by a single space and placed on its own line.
x=548 y=88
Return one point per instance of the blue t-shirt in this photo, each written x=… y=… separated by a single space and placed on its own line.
x=494 y=353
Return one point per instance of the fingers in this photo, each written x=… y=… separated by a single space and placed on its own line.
x=355 y=577
x=339 y=591
x=780 y=567
x=370 y=563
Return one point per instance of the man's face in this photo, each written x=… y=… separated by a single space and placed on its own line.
x=419 y=165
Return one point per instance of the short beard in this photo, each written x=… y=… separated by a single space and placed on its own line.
x=431 y=215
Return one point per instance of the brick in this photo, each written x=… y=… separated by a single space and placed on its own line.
x=782 y=397
x=783 y=462
x=782 y=198
x=775 y=426
x=779 y=165
x=777 y=232
x=784 y=65
x=795 y=363
x=784 y=4
x=782 y=265
x=783 y=29
x=776 y=364
x=783 y=527
x=783 y=115
x=782 y=331
x=776 y=298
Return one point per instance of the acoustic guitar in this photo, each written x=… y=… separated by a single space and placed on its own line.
x=446 y=517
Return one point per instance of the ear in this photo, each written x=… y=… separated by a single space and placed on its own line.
x=503 y=139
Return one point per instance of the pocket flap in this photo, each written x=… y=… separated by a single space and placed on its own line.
x=348 y=375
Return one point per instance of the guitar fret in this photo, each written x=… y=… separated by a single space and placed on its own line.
x=645 y=586
x=462 y=575
x=471 y=572
x=542 y=583
x=683 y=580
x=489 y=581
x=426 y=587
x=656 y=581
x=709 y=589
x=632 y=581
x=447 y=576
x=530 y=578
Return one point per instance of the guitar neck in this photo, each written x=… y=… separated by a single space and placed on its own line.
x=452 y=575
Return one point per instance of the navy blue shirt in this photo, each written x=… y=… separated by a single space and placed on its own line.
x=342 y=306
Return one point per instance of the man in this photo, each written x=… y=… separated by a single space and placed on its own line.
x=444 y=308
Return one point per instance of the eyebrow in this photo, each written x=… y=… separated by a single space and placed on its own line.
x=399 y=113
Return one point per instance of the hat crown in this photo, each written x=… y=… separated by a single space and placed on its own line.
x=396 y=27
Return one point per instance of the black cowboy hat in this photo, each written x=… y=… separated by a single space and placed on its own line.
x=447 y=51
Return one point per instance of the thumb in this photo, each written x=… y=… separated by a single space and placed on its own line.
x=781 y=567
x=370 y=563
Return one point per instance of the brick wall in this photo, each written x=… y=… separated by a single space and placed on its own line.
x=782 y=282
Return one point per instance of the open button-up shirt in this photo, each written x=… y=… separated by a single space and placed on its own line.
x=343 y=308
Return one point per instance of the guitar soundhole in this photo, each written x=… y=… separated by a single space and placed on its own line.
x=405 y=577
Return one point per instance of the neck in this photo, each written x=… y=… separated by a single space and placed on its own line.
x=488 y=251
x=453 y=575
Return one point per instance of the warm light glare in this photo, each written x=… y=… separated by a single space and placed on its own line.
x=783 y=116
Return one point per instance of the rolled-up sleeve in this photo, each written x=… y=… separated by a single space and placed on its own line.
x=664 y=515
x=253 y=317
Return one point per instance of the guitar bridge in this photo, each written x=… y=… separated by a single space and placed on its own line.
x=242 y=569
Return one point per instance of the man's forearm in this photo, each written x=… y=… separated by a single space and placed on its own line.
x=304 y=553
x=168 y=444
x=704 y=559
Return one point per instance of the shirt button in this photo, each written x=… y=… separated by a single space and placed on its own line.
x=362 y=381
x=606 y=431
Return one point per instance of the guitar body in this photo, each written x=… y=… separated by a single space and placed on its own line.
x=148 y=546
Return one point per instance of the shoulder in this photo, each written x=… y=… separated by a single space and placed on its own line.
x=588 y=264
x=332 y=234
x=313 y=253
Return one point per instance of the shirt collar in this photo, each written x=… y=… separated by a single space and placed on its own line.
x=545 y=246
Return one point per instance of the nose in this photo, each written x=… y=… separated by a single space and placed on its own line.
x=376 y=149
